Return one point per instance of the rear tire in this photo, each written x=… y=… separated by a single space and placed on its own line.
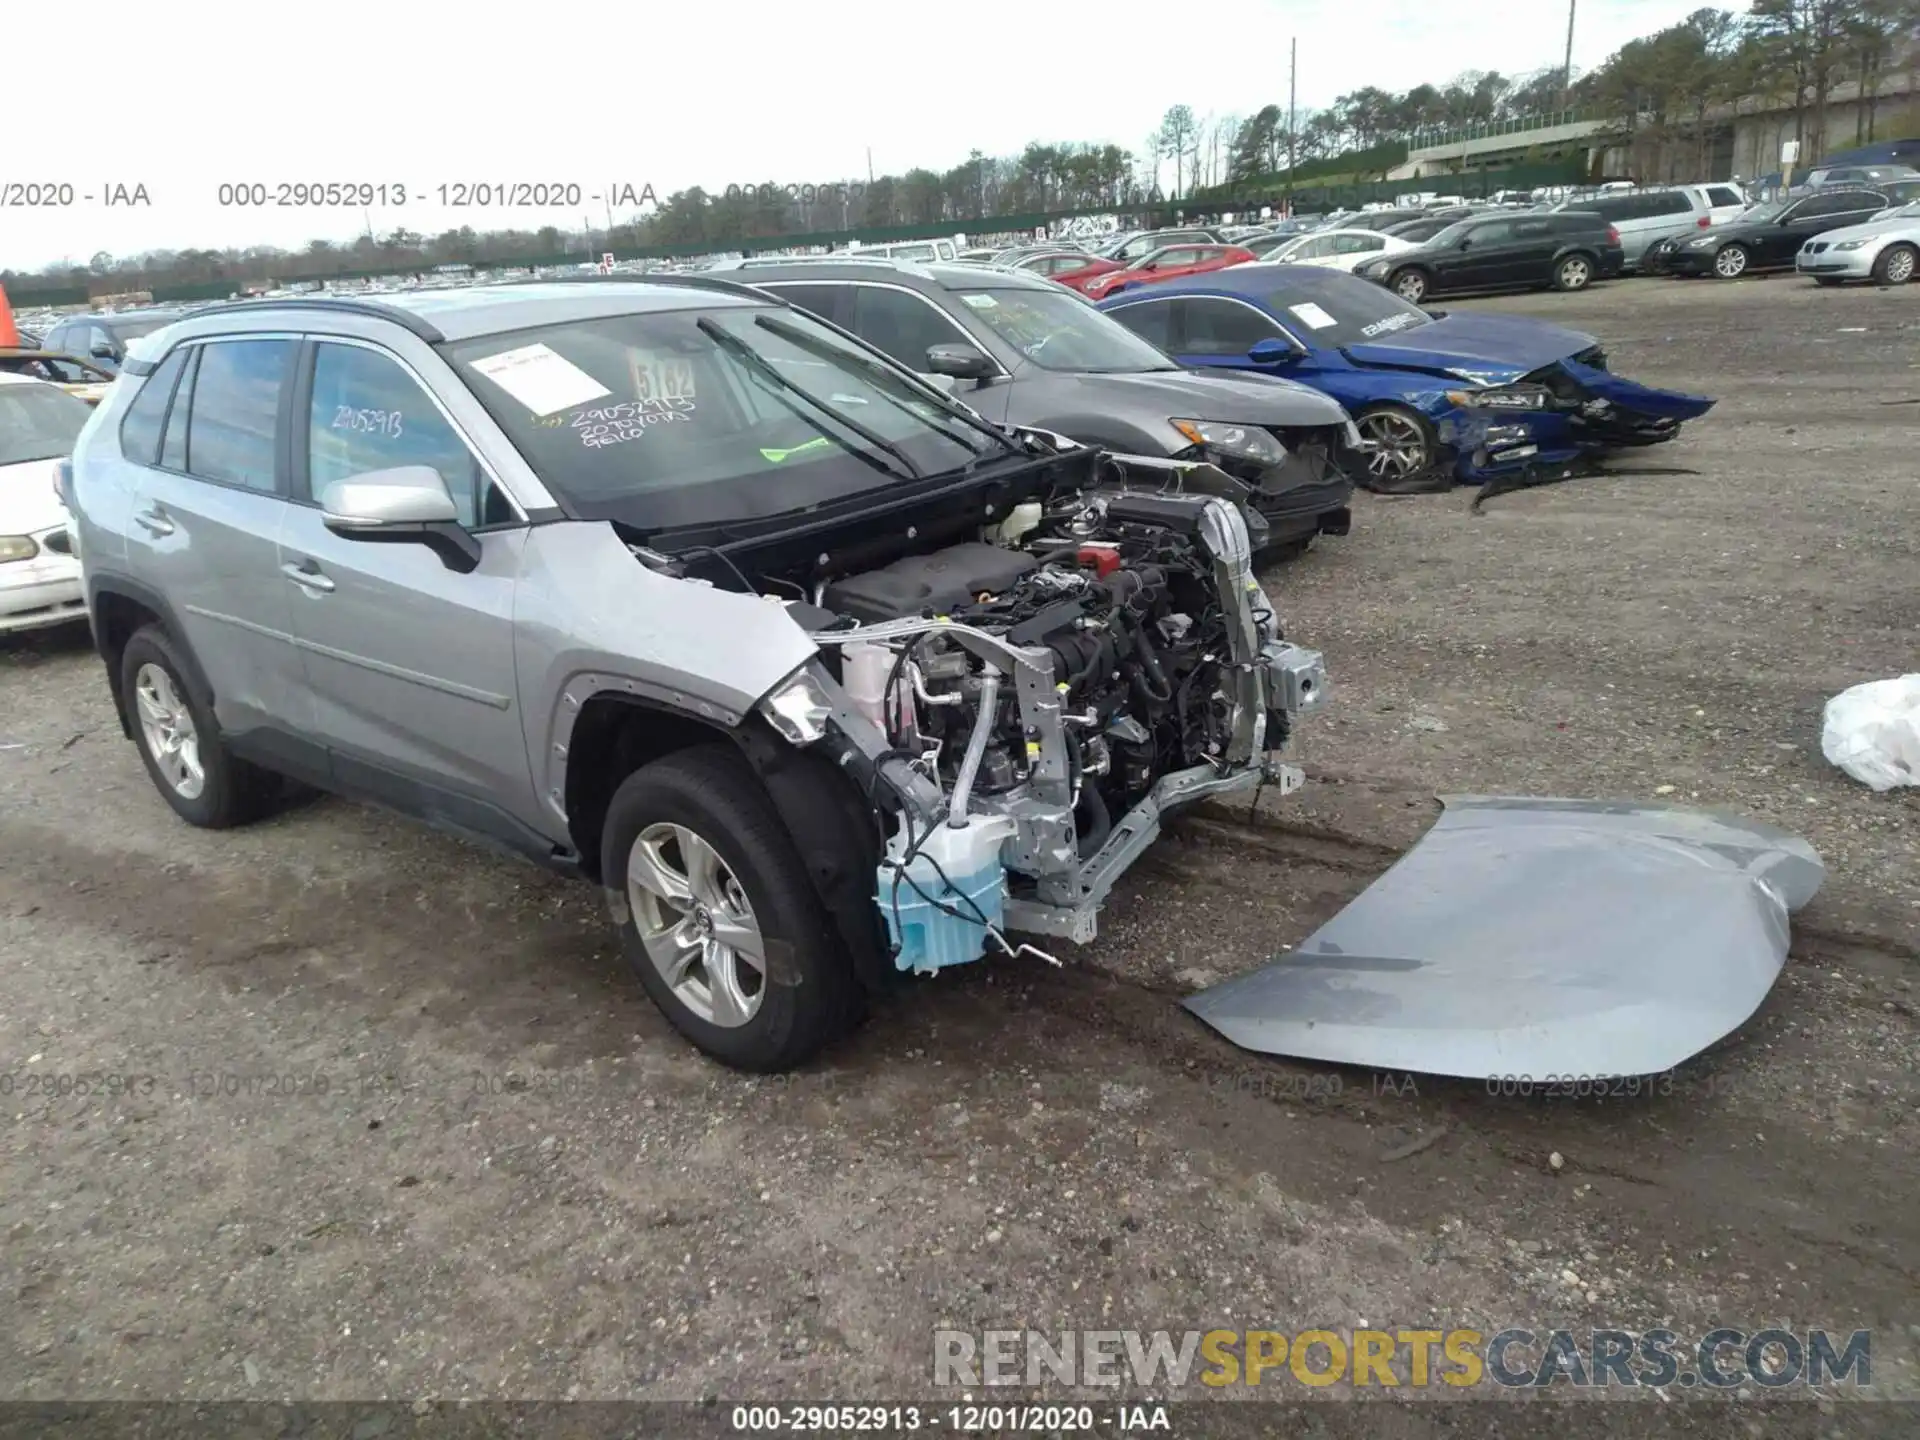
x=763 y=1014
x=1575 y=272
x=1896 y=264
x=180 y=742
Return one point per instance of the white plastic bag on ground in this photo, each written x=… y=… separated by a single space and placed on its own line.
x=1872 y=732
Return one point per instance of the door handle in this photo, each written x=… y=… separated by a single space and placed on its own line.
x=308 y=577
x=154 y=521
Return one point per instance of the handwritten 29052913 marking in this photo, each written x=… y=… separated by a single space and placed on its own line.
x=449 y=195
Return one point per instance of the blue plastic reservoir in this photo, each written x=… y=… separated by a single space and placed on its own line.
x=927 y=936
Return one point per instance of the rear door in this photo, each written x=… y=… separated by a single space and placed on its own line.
x=409 y=664
x=206 y=527
x=1827 y=210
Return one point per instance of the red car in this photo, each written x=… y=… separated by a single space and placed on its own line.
x=1162 y=264
x=1078 y=272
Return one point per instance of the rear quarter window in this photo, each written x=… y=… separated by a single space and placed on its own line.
x=140 y=427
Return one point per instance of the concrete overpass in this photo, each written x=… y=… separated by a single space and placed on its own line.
x=1502 y=143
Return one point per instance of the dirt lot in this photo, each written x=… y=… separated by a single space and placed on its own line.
x=1013 y=1144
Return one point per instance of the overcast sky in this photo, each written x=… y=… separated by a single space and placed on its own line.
x=180 y=96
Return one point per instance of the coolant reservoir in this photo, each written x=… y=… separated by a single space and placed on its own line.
x=936 y=921
x=1021 y=520
x=863 y=670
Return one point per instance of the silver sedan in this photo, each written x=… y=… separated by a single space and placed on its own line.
x=1885 y=249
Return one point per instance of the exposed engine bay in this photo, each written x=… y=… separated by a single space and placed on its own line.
x=1029 y=698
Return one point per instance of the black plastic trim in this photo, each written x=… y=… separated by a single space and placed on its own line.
x=336 y=304
x=149 y=600
x=683 y=281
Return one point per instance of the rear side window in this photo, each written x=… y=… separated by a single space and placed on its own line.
x=1718 y=195
x=173 y=449
x=232 y=425
x=140 y=428
x=820 y=299
x=1151 y=320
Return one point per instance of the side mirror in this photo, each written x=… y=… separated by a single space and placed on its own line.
x=409 y=503
x=962 y=362
x=1273 y=352
x=1466 y=243
x=102 y=351
x=1151 y=265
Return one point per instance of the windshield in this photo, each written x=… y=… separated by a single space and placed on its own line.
x=1760 y=214
x=1341 y=310
x=1441 y=239
x=1057 y=330
x=701 y=417
x=38 y=422
x=1909 y=211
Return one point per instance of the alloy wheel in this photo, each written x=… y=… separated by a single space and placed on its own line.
x=166 y=727
x=1574 y=274
x=696 y=924
x=1395 y=445
x=1411 y=287
x=1730 y=263
x=1900 y=266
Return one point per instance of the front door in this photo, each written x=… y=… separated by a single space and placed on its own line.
x=409 y=664
x=207 y=517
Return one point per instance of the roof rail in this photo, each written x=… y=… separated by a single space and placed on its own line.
x=916 y=268
x=349 y=303
x=692 y=279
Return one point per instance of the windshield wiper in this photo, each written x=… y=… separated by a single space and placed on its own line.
x=833 y=353
x=765 y=368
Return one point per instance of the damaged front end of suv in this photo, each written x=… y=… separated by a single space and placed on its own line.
x=1024 y=709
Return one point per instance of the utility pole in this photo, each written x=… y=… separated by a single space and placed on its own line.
x=1293 y=76
x=1566 y=73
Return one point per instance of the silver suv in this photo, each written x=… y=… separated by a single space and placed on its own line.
x=820 y=676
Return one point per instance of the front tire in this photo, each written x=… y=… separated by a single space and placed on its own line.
x=1573 y=273
x=179 y=740
x=1730 y=261
x=1895 y=265
x=717 y=915
x=1410 y=285
x=1401 y=445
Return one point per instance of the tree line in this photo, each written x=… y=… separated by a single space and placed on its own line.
x=1667 y=87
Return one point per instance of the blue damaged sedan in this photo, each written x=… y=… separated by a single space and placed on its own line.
x=1473 y=396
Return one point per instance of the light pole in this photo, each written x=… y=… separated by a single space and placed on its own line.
x=1293 y=76
x=1566 y=72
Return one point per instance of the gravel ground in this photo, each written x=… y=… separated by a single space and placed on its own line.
x=1013 y=1144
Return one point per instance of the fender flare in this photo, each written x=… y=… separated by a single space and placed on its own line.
x=150 y=600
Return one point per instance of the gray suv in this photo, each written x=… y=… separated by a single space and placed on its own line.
x=820 y=677
x=1023 y=350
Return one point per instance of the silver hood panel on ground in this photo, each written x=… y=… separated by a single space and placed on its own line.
x=1537 y=937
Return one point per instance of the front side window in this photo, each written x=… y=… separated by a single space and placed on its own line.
x=902 y=324
x=38 y=422
x=1224 y=328
x=1058 y=332
x=369 y=414
x=235 y=410
x=724 y=415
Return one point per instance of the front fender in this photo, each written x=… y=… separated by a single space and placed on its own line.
x=589 y=617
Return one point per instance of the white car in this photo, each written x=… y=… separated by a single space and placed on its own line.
x=1335 y=249
x=1885 y=249
x=39 y=573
